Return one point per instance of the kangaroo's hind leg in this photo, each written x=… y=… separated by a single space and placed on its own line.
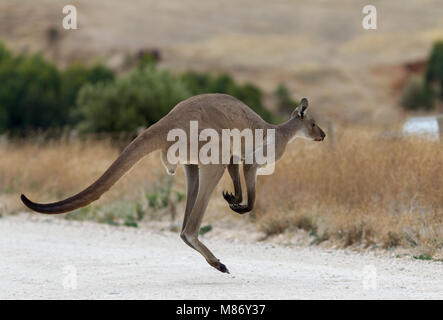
x=209 y=176
x=192 y=183
x=250 y=172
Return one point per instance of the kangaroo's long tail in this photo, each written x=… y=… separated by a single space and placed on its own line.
x=144 y=144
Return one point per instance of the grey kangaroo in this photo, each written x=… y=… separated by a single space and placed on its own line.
x=215 y=111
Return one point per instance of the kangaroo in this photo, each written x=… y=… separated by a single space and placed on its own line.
x=215 y=111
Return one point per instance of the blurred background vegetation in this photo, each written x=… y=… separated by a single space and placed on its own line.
x=36 y=95
x=422 y=91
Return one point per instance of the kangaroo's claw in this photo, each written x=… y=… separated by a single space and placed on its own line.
x=230 y=198
x=219 y=266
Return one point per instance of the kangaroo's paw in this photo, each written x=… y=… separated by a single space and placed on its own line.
x=230 y=198
x=239 y=208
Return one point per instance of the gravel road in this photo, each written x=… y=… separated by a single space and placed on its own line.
x=52 y=258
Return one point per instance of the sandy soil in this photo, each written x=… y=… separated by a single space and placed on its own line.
x=39 y=256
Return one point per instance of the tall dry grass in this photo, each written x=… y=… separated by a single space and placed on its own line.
x=366 y=190
x=48 y=171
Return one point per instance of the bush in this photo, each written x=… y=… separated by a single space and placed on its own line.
x=138 y=100
x=199 y=83
x=29 y=93
x=434 y=72
x=35 y=94
x=5 y=67
x=73 y=78
x=148 y=94
x=146 y=58
x=417 y=95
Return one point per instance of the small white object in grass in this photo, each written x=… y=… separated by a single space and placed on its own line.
x=422 y=126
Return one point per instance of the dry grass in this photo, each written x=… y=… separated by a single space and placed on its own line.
x=366 y=190
x=56 y=169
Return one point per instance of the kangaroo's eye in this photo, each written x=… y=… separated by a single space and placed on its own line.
x=313 y=125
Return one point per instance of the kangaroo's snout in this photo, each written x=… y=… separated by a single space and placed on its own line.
x=322 y=136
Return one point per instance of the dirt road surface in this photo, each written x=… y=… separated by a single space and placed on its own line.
x=53 y=258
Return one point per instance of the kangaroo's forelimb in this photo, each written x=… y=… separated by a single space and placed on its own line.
x=250 y=173
x=237 y=197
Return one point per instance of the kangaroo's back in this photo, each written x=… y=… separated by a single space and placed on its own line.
x=215 y=110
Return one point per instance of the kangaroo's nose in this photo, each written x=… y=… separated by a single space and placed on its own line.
x=322 y=136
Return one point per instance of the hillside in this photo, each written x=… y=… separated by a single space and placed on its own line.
x=318 y=48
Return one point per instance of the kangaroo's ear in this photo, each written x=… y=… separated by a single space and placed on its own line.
x=301 y=108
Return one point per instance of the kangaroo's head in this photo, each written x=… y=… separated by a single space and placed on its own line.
x=306 y=126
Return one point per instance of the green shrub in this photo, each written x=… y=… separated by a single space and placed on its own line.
x=434 y=72
x=29 y=94
x=121 y=212
x=146 y=59
x=137 y=100
x=205 y=229
x=162 y=194
x=199 y=83
x=424 y=256
x=5 y=54
x=35 y=94
x=417 y=95
x=73 y=78
x=3 y=119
